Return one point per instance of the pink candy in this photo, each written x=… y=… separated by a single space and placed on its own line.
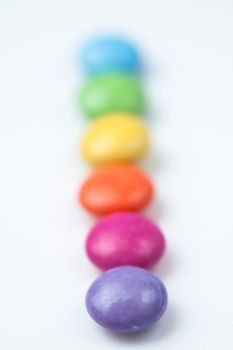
x=125 y=239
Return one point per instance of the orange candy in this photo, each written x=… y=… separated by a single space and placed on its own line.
x=112 y=188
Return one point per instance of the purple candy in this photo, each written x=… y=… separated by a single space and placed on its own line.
x=126 y=299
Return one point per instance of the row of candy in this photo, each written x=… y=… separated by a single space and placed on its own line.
x=127 y=297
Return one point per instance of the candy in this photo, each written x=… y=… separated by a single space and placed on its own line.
x=126 y=299
x=124 y=239
x=109 y=54
x=111 y=188
x=111 y=93
x=114 y=138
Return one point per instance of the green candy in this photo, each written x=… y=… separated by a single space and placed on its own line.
x=110 y=93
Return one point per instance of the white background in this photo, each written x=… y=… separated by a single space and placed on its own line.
x=44 y=273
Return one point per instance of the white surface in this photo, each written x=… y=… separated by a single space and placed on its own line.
x=44 y=273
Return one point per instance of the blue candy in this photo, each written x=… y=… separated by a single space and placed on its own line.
x=109 y=54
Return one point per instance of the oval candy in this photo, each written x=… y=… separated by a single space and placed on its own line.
x=114 y=138
x=125 y=239
x=112 y=188
x=110 y=54
x=126 y=299
x=109 y=93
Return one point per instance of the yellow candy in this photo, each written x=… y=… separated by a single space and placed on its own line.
x=118 y=137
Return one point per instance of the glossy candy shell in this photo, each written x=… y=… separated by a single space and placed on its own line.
x=112 y=188
x=110 y=54
x=114 y=138
x=125 y=239
x=110 y=93
x=126 y=299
